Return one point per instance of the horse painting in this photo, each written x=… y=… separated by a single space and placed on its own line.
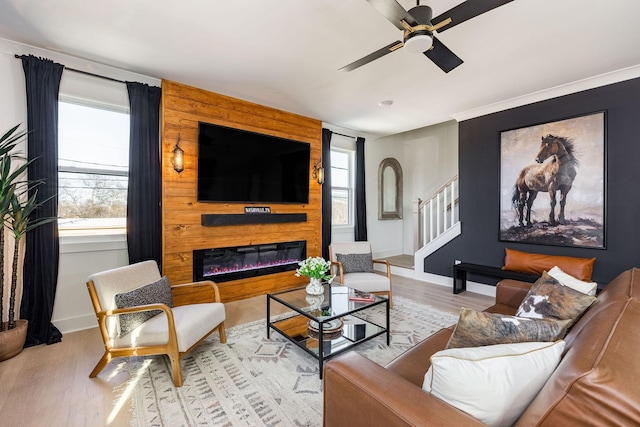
x=555 y=171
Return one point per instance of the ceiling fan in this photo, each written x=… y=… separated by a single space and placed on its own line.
x=418 y=31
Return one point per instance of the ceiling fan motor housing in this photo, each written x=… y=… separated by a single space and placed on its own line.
x=419 y=40
x=422 y=14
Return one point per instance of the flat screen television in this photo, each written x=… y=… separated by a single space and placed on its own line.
x=241 y=166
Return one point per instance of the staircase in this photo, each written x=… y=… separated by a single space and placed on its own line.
x=436 y=221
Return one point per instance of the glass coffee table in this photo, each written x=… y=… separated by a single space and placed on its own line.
x=325 y=325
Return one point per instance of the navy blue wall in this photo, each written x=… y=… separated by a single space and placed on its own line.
x=479 y=169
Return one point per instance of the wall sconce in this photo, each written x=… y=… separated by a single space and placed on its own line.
x=177 y=160
x=318 y=172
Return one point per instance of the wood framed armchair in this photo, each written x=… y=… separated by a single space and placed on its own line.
x=356 y=268
x=193 y=312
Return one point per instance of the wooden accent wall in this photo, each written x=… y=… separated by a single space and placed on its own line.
x=182 y=108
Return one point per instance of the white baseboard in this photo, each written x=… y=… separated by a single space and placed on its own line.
x=400 y=271
x=475 y=287
x=74 y=324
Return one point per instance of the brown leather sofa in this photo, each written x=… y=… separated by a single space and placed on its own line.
x=597 y=382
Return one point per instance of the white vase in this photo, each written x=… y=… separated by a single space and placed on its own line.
x=315 y=301
x=315 y=286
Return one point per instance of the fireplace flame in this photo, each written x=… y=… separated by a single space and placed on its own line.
x=215 y=270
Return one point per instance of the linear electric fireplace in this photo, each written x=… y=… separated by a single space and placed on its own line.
x=240 y=262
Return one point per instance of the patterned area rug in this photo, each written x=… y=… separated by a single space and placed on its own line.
x=255 y=381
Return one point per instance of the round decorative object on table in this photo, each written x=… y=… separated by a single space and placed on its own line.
x=327 y=336
x=330 y=330
x=315 y=286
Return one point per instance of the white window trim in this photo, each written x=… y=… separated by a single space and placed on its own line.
x=351 y=225
x=92 y=242
x=85 y=102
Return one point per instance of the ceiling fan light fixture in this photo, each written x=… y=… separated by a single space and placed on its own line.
x=418 y=42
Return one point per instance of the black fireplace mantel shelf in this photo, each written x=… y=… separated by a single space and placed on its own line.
x=216 y=220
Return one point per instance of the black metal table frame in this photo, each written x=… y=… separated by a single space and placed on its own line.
x=320 y=356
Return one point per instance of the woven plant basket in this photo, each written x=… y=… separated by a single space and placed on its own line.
x=12 y=341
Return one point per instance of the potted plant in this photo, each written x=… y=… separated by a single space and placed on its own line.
x=15 y=210
x=316 y=269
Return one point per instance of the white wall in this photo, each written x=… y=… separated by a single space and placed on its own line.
x=13 y=111
x=429 y=157
x=386 y=236
x=79 y=257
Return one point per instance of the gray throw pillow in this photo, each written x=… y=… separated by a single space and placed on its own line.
x=356 y=263
x=154 y=293
x=475 y=329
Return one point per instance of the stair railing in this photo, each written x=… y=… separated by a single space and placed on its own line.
x=437 y=214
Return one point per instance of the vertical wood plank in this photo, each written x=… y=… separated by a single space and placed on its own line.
x=182 y=108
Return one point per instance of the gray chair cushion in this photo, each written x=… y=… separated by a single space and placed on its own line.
x=192 y=322
x=356 y=263
x=154 y=293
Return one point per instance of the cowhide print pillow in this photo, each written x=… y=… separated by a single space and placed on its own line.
x=476 y=328
x=549 y=299
x=153 y=293
x=356 y=263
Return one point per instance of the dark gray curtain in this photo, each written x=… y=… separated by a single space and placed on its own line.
x=144 y=223
x=42 y=251
x=326 y=192
x=360 y=225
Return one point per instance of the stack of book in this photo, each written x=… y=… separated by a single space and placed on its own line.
x=361 y=296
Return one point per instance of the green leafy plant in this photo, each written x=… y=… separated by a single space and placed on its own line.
x=15 y=211
x=314 y=267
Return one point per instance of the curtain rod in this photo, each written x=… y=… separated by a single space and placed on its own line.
x=95 y=75
x=87 y=73
x=342 y=134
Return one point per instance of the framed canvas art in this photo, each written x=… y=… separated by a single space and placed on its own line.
x=552 y=183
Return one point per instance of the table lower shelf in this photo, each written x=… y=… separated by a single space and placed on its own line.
x=353 y=332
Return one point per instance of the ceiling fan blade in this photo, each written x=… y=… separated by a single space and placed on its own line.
x=442 y=56
x=393 y=11
x=467 y=10
x=373 y=56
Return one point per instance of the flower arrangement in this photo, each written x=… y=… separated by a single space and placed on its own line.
x=315 y=268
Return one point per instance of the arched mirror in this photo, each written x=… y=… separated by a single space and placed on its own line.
x=389 y=189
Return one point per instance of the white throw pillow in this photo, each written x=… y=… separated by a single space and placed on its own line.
x=567 y=280
x=494 y=383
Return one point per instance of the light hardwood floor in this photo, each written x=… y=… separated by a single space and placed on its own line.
x=49 y=385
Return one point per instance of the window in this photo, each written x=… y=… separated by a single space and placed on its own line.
x=93 y=163
x=341 y=187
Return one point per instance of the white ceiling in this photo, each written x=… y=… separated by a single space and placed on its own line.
x=286 y=53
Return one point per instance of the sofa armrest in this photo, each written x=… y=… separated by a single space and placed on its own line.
x=359 y=392
x=414 y=363
x=511 y=292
